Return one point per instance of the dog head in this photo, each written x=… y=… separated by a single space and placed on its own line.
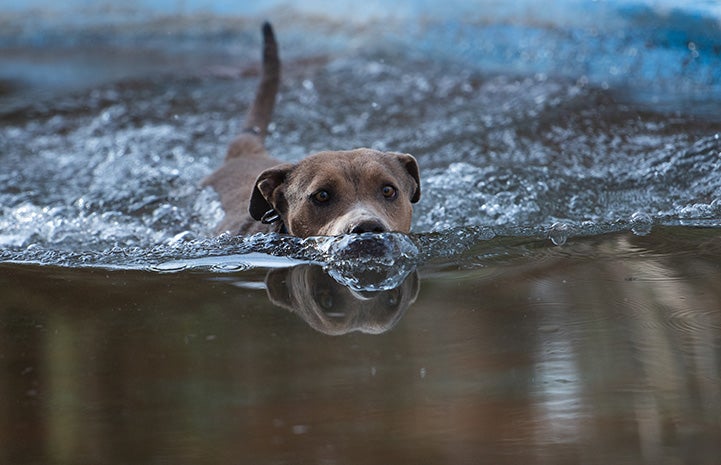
x=342 y=192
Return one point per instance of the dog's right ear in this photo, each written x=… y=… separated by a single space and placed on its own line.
x=266 y=195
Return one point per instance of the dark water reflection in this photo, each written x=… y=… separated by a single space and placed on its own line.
x=606 y=350
x=334 y=309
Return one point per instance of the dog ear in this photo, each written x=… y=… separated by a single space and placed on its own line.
x=265 y=191
x=411 y=165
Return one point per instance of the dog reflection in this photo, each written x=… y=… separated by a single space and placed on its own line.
x=331 y=308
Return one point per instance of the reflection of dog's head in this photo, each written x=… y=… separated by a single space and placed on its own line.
x=331 y=308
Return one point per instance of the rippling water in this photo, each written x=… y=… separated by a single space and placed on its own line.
x=557 y=301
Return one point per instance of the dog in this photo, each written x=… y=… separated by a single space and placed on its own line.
x=326 y=194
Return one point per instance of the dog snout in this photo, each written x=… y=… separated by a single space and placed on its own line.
x=368 y=226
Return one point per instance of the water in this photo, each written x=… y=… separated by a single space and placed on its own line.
x=603 y=350
x=556 y=302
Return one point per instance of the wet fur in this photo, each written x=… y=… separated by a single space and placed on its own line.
x=260 y=194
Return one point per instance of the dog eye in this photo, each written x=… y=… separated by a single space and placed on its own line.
x=389 y=192
x=321 y=196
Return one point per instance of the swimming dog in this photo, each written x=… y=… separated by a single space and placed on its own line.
x=326 y=194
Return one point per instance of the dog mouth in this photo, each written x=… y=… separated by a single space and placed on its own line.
x=360 y=245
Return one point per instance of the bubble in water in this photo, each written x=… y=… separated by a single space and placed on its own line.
x=368 y=262
x=641 y=223
x=169 y=267
x=559 y=232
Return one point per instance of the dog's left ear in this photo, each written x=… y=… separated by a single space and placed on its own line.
x=266 y=195
x=411 y=165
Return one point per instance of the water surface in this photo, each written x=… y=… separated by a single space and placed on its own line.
x=557 y=301
x=606 y=350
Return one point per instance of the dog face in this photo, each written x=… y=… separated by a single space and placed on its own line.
x=333 y=193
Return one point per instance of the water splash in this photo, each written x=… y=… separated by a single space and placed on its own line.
x=559 y=233
x=110 y=176
x=641 y=223
x=368 y=262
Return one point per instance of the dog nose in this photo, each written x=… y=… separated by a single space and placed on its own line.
x=370 y=226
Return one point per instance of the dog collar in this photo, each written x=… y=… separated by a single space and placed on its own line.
x=272 y=216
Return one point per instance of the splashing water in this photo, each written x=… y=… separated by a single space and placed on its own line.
x=369 y=262
x=362 y=262
x=109 y=176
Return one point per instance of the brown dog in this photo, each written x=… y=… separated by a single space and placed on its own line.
x=326 y=194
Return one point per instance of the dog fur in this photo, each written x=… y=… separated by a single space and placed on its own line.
x=326 y=194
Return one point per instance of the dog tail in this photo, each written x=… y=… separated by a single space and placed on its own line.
x=258 y=117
